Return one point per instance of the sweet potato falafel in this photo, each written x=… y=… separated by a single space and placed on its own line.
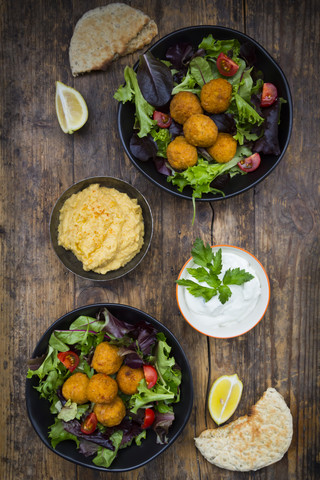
x=200 y=130
x=102 y=388
x=183 y=105
x=181 y=154
x=224 y=148
x=129 y=378
x=110 y=414
x=215 y=95
x=106 y=358
x=75 y=388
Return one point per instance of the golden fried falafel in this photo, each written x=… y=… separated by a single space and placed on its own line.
x=111 y=414
x=183 y=105
x=181 y=154
x=200 y=130
x=106 y=358
x=215 y=96
x=224 y=148
x=129 y=378
x=102 y=388
x=75 y=388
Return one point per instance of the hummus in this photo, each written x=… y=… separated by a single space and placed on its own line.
x=103 y=227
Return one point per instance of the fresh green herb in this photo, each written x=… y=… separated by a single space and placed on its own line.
x=210 y=267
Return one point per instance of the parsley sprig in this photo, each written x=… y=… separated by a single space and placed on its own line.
x=210 y=266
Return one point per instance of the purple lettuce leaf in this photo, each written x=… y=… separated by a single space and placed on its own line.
x=117 y=328
x=129 y=427
x=180 y=54
x=144 y=148
x=161 y=166
x=74 y=427
x=225 y=123
x=161 y=425
x=268 y=144
x=88 y=448
x=155 y=80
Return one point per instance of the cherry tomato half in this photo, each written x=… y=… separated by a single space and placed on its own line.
x=163 y=119
x=226 y=65
x=149 y=417
x=150 y=374
x=269 y=95
x=251 y=163
x=89 y=424
x=69 y=360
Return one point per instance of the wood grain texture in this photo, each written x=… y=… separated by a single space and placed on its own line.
x=278 y=222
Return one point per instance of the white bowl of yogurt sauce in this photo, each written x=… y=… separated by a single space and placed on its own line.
x=244 y=309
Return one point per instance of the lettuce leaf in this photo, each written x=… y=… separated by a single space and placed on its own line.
x=215 y=47
x=147 y=396
x=131 y=92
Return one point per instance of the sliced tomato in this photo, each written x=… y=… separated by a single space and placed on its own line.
x=150 y=374
x=269 y=95
x=89 y=424
x=163 y=119
x=226 y=65
x=251 y=163
x=69 y=359
x=149 y=417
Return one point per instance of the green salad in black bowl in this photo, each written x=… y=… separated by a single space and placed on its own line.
x=258 y=114
x=109 y=387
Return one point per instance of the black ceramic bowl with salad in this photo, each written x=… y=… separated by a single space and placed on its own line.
x=155 y=415
x=258 y=129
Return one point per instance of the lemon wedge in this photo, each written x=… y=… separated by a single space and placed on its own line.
x=71 y=108
x=224 y=397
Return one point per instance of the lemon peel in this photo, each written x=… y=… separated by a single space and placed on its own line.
x=71 y=108
x=224 y=397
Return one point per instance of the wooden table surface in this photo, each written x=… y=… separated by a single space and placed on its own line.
x=278 y=221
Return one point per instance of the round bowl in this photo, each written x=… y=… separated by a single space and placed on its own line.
x=273 y=74
x=69 y=260
x=232 y=328
x=131 y=457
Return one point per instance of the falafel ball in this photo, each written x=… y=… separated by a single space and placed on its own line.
x=102 y=388
x=224 y=148
x=106 y=358
x=111 y=414
x=200 y=130
x=181 y=154
x=215 y=95
x=183 y=105
x=129 y=378
x=75 y=388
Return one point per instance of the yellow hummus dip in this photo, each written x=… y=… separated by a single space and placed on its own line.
x=102 y=227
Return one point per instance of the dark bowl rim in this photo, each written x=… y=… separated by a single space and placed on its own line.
x=289 y=101
x=97 y=276
x=158 y=324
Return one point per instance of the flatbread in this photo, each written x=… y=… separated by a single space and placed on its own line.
x=103 y=34
x=253 y=441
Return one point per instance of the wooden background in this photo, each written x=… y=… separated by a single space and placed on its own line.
x=278 y=222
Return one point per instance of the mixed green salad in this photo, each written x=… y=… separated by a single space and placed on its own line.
x=252 y=117
x=71 y=351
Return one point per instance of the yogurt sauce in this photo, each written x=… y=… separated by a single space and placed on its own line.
x=242 y=302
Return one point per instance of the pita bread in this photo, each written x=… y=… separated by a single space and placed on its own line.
x=250 y=442
x=105 y=33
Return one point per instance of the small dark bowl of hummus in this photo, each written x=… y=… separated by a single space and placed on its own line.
x=101 y=228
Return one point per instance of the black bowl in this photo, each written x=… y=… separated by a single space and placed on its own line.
x=272 y=73
x=69 y=260
x=131 y=457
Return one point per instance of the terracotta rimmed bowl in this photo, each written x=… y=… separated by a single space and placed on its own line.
x=69 y=260
x=234 y=327
x=272 y=73
x=131 y=457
